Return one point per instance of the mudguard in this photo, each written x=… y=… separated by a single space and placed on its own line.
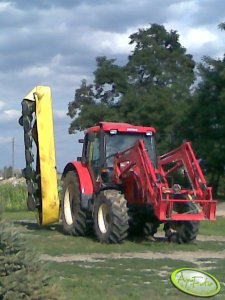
x=86 y=184
x=49 y=211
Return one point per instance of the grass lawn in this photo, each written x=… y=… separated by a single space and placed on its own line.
x=125 y=279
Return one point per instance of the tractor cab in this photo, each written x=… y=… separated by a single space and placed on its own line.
x=103 y=142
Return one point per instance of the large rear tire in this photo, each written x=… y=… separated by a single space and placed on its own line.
x=183 y=231
x=111 y=217
x=74 y=219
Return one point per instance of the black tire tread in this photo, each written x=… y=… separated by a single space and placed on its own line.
x=150 y=228
x=118 y=229
x=79 y=225
x=187 y=230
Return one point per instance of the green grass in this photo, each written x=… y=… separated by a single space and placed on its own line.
x=213 y=228
x=13 y=198
x=20 y=215
x=60 y=243
x=124 y=279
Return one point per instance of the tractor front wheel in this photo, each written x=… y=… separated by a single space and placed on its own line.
x=111 y=217
x=182 y=231
x=74 y=219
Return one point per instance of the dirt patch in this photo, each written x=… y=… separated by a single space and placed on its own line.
x=177 y=255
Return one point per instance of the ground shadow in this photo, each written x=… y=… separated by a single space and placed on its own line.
x=33 y=226
x=132 y=237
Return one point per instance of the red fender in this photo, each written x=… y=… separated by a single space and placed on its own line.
x=86 y=185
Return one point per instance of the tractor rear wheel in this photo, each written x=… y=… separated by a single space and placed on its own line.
x=182 y=231
x=74 y=219
x=111 y=217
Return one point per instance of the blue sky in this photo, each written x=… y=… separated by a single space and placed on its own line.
x=55 y=43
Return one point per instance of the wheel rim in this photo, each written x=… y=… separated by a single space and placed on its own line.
x=103 y=218
x=67 y=208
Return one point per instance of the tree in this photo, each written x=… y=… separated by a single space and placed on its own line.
x=99 y=101
x=22 y=275
x=221 y=26
x=7 y=172
x=206 y=119
x=153 y=88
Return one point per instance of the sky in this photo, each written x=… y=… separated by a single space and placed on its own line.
x=55 y=43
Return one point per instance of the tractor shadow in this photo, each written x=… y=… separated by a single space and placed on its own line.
x=57 y=227
x=147 y=239
x=34 y=226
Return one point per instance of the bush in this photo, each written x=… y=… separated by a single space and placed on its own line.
x=22 y=275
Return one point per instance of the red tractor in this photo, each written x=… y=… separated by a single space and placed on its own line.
x=120 y=185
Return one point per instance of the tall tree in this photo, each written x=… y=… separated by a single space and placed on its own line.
x=151 y=89
x=161 y=74
x=206 y=119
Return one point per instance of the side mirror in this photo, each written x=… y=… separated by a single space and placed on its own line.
x=91 y=136
x=81 y=141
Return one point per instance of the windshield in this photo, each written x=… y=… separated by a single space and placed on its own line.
x=122 y=141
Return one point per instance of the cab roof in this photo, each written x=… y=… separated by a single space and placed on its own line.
x=120 y=127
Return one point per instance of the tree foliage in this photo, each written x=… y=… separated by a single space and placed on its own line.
x=206 y=119
x=151 y=89
x=99 y=101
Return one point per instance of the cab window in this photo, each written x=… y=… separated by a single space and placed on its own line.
x=93 y=154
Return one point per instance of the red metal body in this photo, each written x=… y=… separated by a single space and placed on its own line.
x=144 y=184
x=86 y=185
x=121 y=127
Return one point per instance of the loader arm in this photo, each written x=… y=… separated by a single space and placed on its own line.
x=134 y=165
x=37 y=122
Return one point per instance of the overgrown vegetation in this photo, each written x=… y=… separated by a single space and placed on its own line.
x=13 y=197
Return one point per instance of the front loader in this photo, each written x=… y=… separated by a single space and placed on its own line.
x=119 y=185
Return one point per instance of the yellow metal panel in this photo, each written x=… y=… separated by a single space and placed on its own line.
x=46 y=146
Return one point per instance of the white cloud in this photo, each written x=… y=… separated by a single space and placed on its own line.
x=197 y=37
x=5 y=139
x=108 y=42
x=10 y=115
x=60 y=114
x=2 y=104
x=4 y=6
x=199 y=40
x=183 y=8
x=42 y=71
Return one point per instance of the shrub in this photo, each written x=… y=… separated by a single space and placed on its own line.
x=22 y=275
